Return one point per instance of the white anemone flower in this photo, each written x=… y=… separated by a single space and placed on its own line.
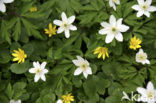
x=113 y=29
x=2 y=4
x=39 y=71
x=13 y=101
x=144 y=8
x=147 y=94
x=141 y=57
x=83 y=66
x=65 y=25
x=113 y=2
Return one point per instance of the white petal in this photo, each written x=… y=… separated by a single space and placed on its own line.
x=147 y=61
x=140 y=13
x=89 y=70
x=152 y=9
x=140 y=2
x=59 y=101
x=64 y=17
x=123 y=28
x=118 y=2
x=45 y=71
x=60 y=30
x=12 y=101
x=7 y=1
x=105 y=24
x=37 y=77
x=119 y=22
x=2 y=7
x=85 y=74
x=147 y=13
x=80 y=58
x=32 y=70
x=141 y=51
x=148 y=2
x=142 y=91
x=19 y=101
x=119 y=37
x=112 y=20
x=87 y=62
x=57 y=22
x=43 y=77
x=114 y=7
x=111 y=3
x=109 y=38
x=76 y=62
x=71 y=19
x=72 y=27
x=150 y=86
x=67 y=34
x=43 y=65
x=78 y=71
x=103 y=31
x=136 y=7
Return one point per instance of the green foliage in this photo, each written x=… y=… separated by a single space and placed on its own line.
x=20 y=28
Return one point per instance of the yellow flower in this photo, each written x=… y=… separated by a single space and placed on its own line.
x=135 y=43
x=33 y=9
x=67 y=98
x=19 y=55
x=101 y=51
x=51 y=31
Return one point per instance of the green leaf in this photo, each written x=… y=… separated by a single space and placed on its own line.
x=9 y=92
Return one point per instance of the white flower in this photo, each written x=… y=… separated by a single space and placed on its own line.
x=113 y=2
x=141 y=57
x=113 y=29
x=83 y=66
x=144 y=8
x=147 y=95
x=59 y=101
x=39 y=71
x=2 y=4
x=65 y=24
x=13 y=101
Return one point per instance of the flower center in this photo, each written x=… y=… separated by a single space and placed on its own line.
x=65 y=25
x=144 y=7
x=84 y=66
x=150 y=95
x=142 y=57
x=115 y=1
x=114 y=30
x=38 y=71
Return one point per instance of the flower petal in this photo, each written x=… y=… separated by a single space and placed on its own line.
x=105 y=24
x=152 y=9
x=142 y=91
x=103 y=31
x=147 y=61
x=150 y=86
x=109 y=38
x=140 y=13
x=140 y=2
x=78 y=71
x=32 y=70
x=60 y=30
x=43 y=77
x=43 y=65
x=76 y=62
x=59 y=101
x=37 y=77
x=112 y=20
x=136 y=7
x=72 y=27
x=57 y=22
x=71 y=19
x=89 y=70
x=85 y=74
x=7 y=1
x=64 y=17
x=148 y=2
x=80 y=58
x=147 y=13
x=119 y=37
x=45 y=71
x=67 y=34
x=123 y=28
x=2 y=7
